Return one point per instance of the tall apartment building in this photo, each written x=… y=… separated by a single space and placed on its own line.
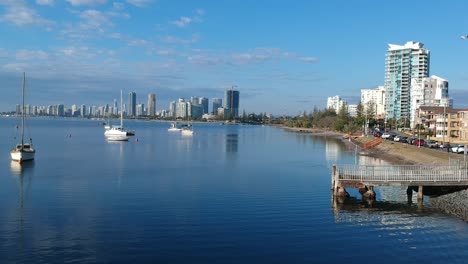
x=131 y=104
x=203 y=101
x=231 y=102
x=151 y=105
x=335 y=103
x=217 y=103
x=373 y=100
x=402 y=64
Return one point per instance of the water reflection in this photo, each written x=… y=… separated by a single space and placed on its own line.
x=18 y=169
x=232 y=143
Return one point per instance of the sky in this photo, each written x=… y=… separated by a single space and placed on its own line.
x=284 y=56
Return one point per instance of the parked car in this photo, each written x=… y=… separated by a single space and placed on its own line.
x=460 y=149
x=431 y=144
x=385 y=135
x=418 y=142
x=377 y=134
x=404 y=139
x=397 y=138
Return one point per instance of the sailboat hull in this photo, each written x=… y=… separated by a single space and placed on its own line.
x=18 y=155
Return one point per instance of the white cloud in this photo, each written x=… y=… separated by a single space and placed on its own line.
x=118 y=6
x=176 y=40
x=19 y=14
x=86 y=2
x=76 y=52
x=31 y=55
x=182 y=22
x=200 y=12
x=139 y=3
x=45 y=2
x=309 y=59
x=15 y=67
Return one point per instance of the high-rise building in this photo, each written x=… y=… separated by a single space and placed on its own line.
x=335 y=103
x=181 y=108
x=83 y=110
x=151 y=111
x=61 y=110
x=402 y=64
x=131 y=104
x=172 y=109
x=231 y=102
x=217 y=103
x=140 y=110
x=373 y=101
x=203 y=101
x=116 y=108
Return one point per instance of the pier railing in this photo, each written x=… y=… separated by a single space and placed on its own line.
x=402 y=174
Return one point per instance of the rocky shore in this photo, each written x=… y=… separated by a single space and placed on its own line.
x=454 y=203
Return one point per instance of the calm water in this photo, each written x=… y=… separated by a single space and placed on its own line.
x=229 y=194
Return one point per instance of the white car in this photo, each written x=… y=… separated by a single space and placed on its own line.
x=460 y=149
x=385 y=135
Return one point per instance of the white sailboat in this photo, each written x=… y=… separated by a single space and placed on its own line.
x=117 y=133
x=187 y=130
x=23 y=151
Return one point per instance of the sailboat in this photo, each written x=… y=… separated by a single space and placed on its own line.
x=23 y=151
x=187 y=130
x=117 y=133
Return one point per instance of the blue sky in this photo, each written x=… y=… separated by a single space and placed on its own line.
x=284 y=56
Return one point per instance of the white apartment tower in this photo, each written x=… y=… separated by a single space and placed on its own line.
x=402 y=64
x=374 y=98
x=335 y=103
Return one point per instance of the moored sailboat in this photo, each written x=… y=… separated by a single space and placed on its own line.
x=23 y=151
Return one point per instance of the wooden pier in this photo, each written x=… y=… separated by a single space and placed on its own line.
x=366 y=177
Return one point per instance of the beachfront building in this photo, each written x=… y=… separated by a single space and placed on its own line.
x=402 y=65
x=335 y=103
x=373 y=101
x=430 y=91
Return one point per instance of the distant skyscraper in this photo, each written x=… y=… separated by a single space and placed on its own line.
x=151 y=105
x=61 y=110
x=375 y=99
x=131 y=104
x=402 y=64
x=116 y=108
x=231 y=102
x=140 y=110
x=83 y=110
x=181 y=108
x=217 y=103
x=172 y=109
x=203 y=101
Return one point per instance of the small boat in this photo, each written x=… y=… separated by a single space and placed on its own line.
x=174 y=127
x=130 y=132
x=23 y=151
x=117 y=138
x=187 y=130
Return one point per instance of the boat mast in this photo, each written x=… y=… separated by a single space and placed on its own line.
x=121 y=110
x=22 y=111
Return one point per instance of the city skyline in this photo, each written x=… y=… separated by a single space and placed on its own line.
x=295 y=55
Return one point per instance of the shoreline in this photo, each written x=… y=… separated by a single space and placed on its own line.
x=455 y=203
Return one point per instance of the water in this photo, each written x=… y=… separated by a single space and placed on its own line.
x=229 y=194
